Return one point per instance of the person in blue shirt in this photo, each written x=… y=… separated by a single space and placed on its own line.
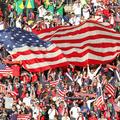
x=85 y=110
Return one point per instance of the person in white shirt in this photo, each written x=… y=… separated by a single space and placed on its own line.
x=92 y=73
x=77 y=6
x=36 y=110
x=74 y=112
x=118 y=101
x=27 y=100
x=65 y=116
x=8 y=101
x=74 y=20
x=95 y=3
x=19 y=22
x=48 y=16
x=42 y=11
x=52 y=112
x=86 y=12
x=2 y=27
x=89 y=102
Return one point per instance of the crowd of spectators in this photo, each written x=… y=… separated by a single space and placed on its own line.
x=68 y=93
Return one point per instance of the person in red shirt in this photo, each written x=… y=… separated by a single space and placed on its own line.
x=34 y=77
x=1 y=13
x=93 y=117
x=25 y=78
x=38 y=2
x=99 y=11
x=40 y=116
x=106 y=13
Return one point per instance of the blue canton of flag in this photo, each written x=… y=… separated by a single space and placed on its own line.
x=16 y=37
x=35 y=54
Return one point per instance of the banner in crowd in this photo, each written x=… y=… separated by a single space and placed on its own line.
x=88 y=43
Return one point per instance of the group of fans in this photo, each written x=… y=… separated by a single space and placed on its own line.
x=68 y=93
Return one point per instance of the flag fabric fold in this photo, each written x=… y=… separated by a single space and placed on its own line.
x=88 y=43
x=99 y=101
x=110 y=89
x=61 y=90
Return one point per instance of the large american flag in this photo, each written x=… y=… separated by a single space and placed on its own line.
x=36 y=55
x=88 y=43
